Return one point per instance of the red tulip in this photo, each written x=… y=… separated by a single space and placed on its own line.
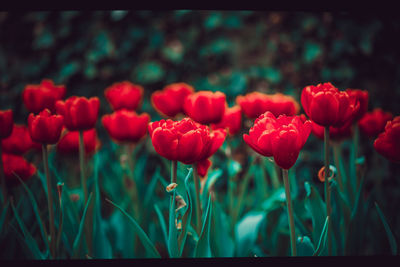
x=362 y=96
x=232 y=120
x=79 y=113
x=169 y=101
x=205 y=106
x=327 y=106
x=18 y=165
x=388 y=142
x=45 y=128
x=69 y=142
x=373 y=123
x=255 y=103
x=6 y=123
x=185 y=140
x=281 y=137
x=124 y=95
x=125 y=125
x=335 y=134
x=37 y=97
x=19 y=142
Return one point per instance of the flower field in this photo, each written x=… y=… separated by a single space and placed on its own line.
x=198 y=134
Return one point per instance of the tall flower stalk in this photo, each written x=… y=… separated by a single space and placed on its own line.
x=326 y=187
x=290 y=212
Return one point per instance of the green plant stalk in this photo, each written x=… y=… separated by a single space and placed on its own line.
x=174 y=168
x=355 y=144
x=61 y=222
x=128 y=150
x=275 y=179
x=2 y=179
x=49 y=201
x=336 y=155
x=285 y=177
x=198 y=204
x=88 y=226
x=327 y=189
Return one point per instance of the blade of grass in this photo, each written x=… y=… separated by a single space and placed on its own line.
x=150 y=248
x=389 y=233
x=322 y=239
x=76 y=248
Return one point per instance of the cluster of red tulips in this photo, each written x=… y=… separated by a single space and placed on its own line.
x=196 y=125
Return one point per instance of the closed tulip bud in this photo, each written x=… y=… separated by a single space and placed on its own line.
x=388 y=143
x=6 y=123
x=80 y=113
x=373 y=123
x=45 y=128
x=124 y=95
x=205 y=106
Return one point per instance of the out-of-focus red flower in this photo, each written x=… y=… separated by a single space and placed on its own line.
x=327 y=106
x=80 y=113
x=185 y=140
x=37 y=97
x=124 y=95
x=362 y=96
x=335 y=134
x=256 y=103
x=373 y=123
x=232 y=120
x=388 y=142
x=45 y=128
x=205 y=106
x=6 y=123
x=281 y=137
x=169 y=101
x=126 y=126
x=19 y=142
x=69 y=142
x=18 y=165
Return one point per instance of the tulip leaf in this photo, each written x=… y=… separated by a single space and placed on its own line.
x=162 y=223
x=3 y=215
x=149 y=246
x=304 y=246
x=322 y=239
x=246 y=232
x=29 y=240
x=389 y=233
x=211 y=179
x=76 y=248
x=203 y=249
x=187 y=217
x=172 y=232
x=316 y=208
x=220 y=232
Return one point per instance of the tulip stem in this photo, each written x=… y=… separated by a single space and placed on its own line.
x=285 y=177
x=355 y=143
x=174 y=168
x=82 y=165
x=61 y=220
x=336 y=154
x=327 y=188
x=198 y=204
x=2 y=178
x=49 y=200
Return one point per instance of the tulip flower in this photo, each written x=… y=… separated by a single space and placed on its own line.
x=126 y=126
x=232 y=120
x=124 y=95
x=6 y=123
x=205 y=106
x=45 y=128
x=79 y=113
x=388 y=143
x=18 y=165
x=335 y=134
x=38 y=97
x=282 y=138
x=69 y=142
x=373 y=123
x=327 y=106
x=256 y=103
x=169 y=101
x=19 y=142
x=362 y=96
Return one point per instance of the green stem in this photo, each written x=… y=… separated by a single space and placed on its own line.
x=355 y=144
x=336 y=155
x=49 y=200
x=198 y=204
x=327 y=189
x=285 y=177
x=275 y=178
x=61 y=221
x=174 y=168
x=2 y=178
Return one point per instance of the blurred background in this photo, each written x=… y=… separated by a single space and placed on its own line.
x=233 y=51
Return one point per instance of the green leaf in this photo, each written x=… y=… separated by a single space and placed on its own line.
x=173 y=232
x=389 y=233
x=149 y=246
x=222 y=244
x=203 y=248
x=29 y=240
x=322 y=239
x=246 y=232
x=76 y=248
x=187 y=217
x=304 y=246
x=316 y=208
x=162 y=223
x=211 y=179
x=3 y=215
